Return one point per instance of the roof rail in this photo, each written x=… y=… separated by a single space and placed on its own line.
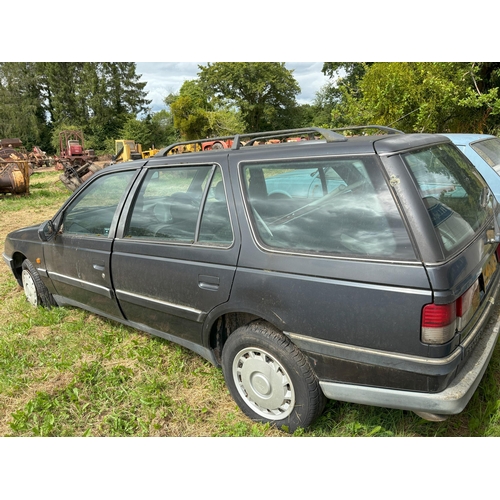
x=382 y=128
x=236 y=141
x=252 y=137
x=310 y=131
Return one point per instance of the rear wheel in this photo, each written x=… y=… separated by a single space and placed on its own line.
x=270 y=378
x=35 y=291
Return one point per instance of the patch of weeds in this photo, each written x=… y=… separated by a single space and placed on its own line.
x=48 y=414
x=16 y=358
x=233 y=429
x=91 y=374
x=121 y=423
x=110 y=336
x=152 y=393
x=150 y=351
x=119 y=375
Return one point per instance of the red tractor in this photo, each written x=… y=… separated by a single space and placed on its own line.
x=219 y=144
x=71 y=147
x=74 y=159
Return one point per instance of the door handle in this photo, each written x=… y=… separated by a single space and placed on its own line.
x=97 y=267
x=208 y=282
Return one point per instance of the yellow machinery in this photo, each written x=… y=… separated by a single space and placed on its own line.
x=126 y=150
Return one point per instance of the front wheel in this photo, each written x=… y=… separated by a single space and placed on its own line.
x=270 y=378
x=35 y=291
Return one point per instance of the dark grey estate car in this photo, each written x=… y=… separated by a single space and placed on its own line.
x=362 y=269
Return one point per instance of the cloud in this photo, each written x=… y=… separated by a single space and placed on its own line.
x=164 y=78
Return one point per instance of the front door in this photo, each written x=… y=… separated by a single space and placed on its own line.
x=78 y=256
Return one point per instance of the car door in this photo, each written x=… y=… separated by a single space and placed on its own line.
x=78 y=256
x=175 y=254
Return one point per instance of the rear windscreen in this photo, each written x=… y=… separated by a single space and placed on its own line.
x=456 y=197
x=489 y=151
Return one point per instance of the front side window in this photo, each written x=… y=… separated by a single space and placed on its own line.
x=455 y=196
x=337 y=206
x=93 y=210
x=182 y=204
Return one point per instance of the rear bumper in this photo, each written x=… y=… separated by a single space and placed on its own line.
x=438 y=386
x=448 y=402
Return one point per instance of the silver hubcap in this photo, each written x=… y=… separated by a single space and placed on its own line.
x=263 y=383
x=29 y=288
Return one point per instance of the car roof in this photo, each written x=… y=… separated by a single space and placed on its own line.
x=464 y=139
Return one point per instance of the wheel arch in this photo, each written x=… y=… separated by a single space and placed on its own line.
x=222 y=325
x=17 y=262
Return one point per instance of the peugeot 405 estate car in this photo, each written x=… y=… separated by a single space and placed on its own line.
x=355 y=268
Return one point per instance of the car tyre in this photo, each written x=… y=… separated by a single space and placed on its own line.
x=270 y=378
x=37 y=294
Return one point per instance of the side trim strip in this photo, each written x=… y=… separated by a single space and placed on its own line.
x=91 y=287
x=167 y=307
x=356 y=353
x=333 y=281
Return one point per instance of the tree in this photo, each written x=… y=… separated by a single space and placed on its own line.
x=430 y=97
x=21 y=104
x=60 y=89
x=136 y=130
x=38 y=98
x=264 y=92
x=347 y=74
x=196 y=116
x=162 y=129
x=113 y=94
x=417 y=96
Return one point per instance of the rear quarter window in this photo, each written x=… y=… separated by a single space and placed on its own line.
x=339 y=207
x=454 y=194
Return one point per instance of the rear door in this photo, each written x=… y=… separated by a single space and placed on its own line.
x=175 y=254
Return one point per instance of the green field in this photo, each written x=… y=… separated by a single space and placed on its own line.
x=66 y=372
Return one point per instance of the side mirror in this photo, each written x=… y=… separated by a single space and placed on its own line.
x=46 y=230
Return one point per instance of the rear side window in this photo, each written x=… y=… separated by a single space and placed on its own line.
x=182 y=204
x=455 y=196
x=338 y=206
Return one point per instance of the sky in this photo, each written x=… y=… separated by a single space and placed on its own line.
x=165 y=78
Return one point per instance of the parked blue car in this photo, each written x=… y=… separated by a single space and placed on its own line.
x=484 y=153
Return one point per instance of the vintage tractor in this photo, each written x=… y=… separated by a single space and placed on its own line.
x=15 y=170
x=127 y=150
x=201 y=145
x=39 y=159
x=75 y=160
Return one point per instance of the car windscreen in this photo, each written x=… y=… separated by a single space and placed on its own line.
x=489 y=151
x=456 y=197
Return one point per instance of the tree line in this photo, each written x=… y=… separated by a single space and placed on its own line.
x=107 y=100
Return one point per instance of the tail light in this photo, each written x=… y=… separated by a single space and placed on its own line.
x=440 y=321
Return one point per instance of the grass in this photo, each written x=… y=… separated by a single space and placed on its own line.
x=66 y=372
